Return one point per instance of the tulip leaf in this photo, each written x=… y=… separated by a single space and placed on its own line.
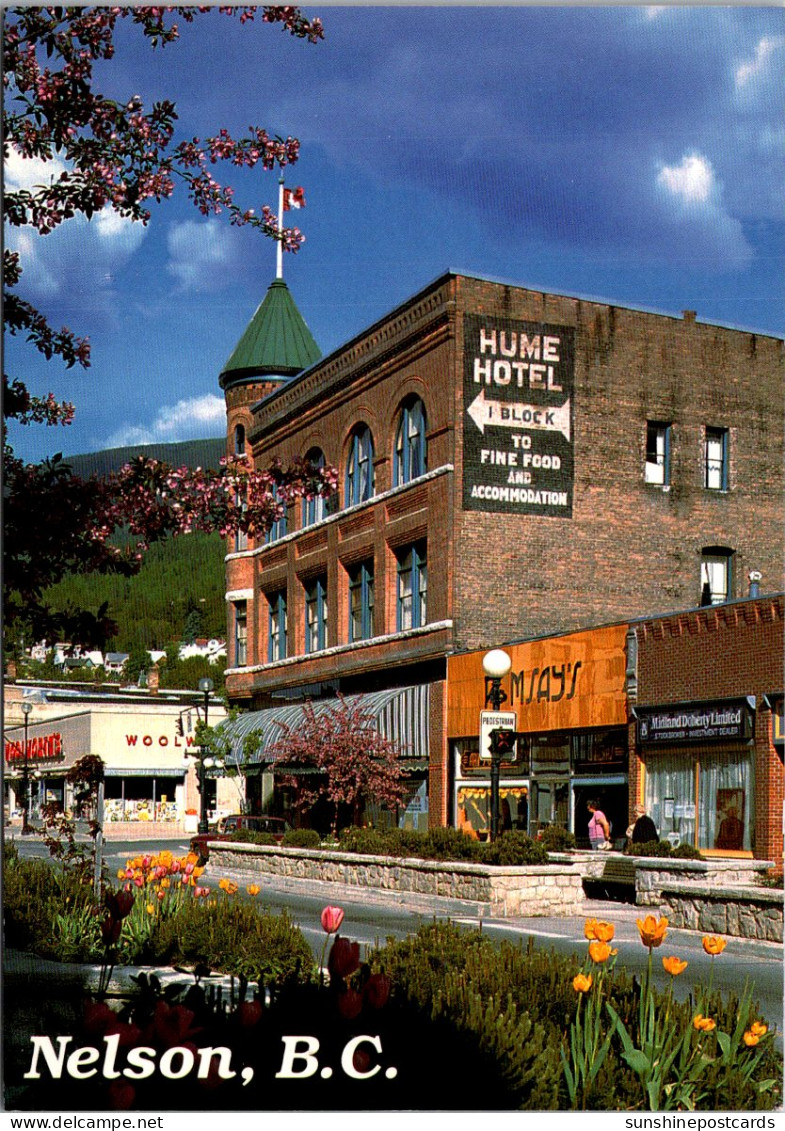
x=637 y=1060
x=723 y=1040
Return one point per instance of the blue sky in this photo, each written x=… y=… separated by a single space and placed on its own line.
x=630 y=154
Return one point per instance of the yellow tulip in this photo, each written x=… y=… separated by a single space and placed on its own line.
x=674 y=966
x=750 y=1039
x=253 y=889
x=582 y=983
x=652 y=930
x=600 y=951
x=150 y=909
x=713 y=944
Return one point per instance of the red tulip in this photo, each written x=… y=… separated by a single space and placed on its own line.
x=377 y=990
x=111 y=930
x=249 y=1013
x=332 y=917
x=350 y=1004
x=98 y=1017
x=344 y=958
x=121 y=1095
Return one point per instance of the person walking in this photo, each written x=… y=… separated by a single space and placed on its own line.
x=642 y=830
x=599 y=827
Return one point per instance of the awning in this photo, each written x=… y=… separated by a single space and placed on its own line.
x=401 y=715
x=144 y=772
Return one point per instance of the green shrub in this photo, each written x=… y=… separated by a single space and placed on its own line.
x=10 y=853
x=556 y=839
x=42 y=905
x=514 y=848
x=232 y=937
x=250 y=836
x=301 y=838
x=663 y=849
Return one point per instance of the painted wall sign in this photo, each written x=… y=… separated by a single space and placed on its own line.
x=560 y=683
x=39 y=749
x=730 y=720
x=518 y=416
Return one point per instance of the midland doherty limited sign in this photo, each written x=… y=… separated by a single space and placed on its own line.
x=731 y=720
x=518 y=398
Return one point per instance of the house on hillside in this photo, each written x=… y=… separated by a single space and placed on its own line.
x=211 y=650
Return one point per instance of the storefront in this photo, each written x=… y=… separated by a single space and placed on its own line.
x=699 y=765
x=567 y=697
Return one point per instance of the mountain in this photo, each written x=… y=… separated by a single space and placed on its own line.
x=186 y=453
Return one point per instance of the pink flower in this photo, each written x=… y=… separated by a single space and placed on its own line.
x=332 y=917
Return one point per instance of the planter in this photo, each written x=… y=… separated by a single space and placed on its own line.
x=500 y=892
x=746 y=912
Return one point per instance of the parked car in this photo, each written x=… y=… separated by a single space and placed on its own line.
x=228 y=825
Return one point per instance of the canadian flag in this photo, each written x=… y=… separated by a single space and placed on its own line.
x=293 y=198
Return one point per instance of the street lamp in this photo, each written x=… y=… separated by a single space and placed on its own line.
x=26 y=709
x=205 y=686
x=495 y=664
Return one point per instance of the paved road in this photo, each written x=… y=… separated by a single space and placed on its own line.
x=371 y=920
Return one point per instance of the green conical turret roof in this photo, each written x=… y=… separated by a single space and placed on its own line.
x=276 y=342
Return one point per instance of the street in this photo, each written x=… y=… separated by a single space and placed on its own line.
x=369 y=921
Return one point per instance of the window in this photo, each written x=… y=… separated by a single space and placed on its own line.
x=278 y=528
x=239 y=440
x=240 y=634
x=276 y=636
x=721 y=816
x=716 y=575
x=241 y=538
x=412 y=587
x=361 y=602
x=410 y=446
x=658 y=453
x=316 y=614
x=359 y=467
x=715 y=459
x=313 y=509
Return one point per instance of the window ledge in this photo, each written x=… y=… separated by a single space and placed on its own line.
x=342 y=649
x=333 y=518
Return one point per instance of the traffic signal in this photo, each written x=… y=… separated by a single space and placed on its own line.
x=503 y=741
x=179 y=725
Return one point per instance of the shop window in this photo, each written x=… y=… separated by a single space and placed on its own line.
x=240 y=634
x=278 y=528
x=361 y=602
x=239 y=440
x=715 y=459
x=313 y=509
x=412 y=605
x=410 y=443
x=276 y=634
x=720 y=817
x=716 y=575
x=658 y=453
x=316 y=614
x=359 y=467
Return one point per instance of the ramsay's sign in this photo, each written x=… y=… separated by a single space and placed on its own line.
x=518 y=424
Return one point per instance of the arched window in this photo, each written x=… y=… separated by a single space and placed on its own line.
x=359 y=467
x=313 y=509
x=410 y=447
x=239 y=439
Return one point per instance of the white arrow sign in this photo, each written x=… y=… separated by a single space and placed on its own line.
x=507 y=414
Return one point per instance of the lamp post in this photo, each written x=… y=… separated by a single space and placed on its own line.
x=26 y=709
x=495 y=664
x=205 y=686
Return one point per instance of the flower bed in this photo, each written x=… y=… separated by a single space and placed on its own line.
x=498 y=891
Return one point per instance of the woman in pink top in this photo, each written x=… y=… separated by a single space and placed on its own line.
x=599 y=829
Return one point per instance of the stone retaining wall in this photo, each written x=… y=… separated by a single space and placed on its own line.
x=748 y=912
x=653 y=873
x=500 y=892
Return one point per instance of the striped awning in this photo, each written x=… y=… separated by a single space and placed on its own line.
x=401 y=715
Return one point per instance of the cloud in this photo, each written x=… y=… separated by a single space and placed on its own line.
x=191 y=419
x=692 y=180
x=756 y=67
x=28 y=172
x=202 y=256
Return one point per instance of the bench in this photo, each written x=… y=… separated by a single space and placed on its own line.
x=616 y=881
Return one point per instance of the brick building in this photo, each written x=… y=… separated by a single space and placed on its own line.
x=511 y=464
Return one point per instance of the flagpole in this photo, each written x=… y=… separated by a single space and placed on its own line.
x=279 y=261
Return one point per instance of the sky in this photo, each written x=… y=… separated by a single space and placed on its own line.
x=632 y=155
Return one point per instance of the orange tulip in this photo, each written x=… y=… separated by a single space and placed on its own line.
x=604 y=932
x=703 y=1024
x=253 y=889
x=713 y=944
x=674 y=966
x=652 y=930
x=756 y=1030
x=589 y=928
x=600 y=951
x=750 y=1039
x=582 y=983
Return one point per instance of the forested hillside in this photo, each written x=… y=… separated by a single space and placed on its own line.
x=181 y=584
